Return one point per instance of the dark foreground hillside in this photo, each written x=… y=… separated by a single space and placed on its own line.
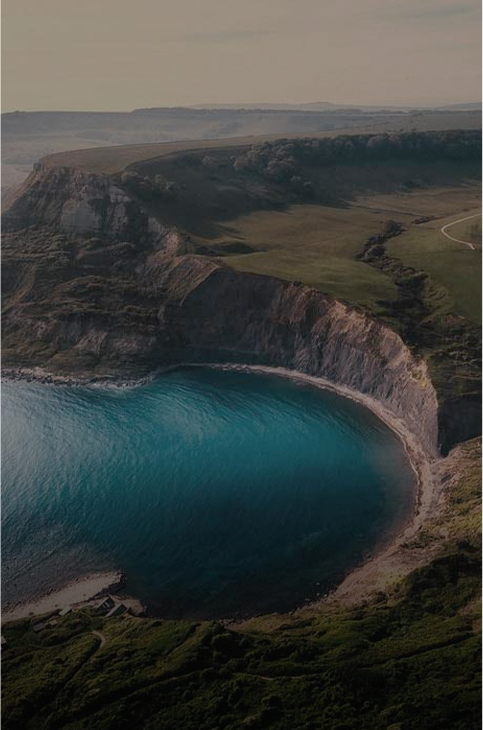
x=409 y=658
x=370 y=668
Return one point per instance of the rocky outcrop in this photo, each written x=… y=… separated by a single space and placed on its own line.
x=80 y=203
x=97 y=287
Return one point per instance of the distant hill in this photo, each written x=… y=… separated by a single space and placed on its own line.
x=313 y=106
x=28 y=136
x=474 y=105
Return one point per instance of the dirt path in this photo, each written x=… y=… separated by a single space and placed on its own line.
x=101 y=637
x=459 y=240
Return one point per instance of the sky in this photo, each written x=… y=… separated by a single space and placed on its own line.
x=123 y=54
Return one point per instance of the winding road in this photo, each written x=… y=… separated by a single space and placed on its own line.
x=453 y=223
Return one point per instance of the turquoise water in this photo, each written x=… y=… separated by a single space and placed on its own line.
x=218 y=493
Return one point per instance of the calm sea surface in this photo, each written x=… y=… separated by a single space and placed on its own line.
x=218 y=493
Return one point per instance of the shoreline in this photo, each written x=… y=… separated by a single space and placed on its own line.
x=77 y=592
x=384 y=563
x=44 y=377
x=356 y=582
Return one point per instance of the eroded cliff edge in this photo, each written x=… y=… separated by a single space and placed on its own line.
x=95 y=286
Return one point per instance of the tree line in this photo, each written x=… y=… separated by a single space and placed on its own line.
x=281 y=160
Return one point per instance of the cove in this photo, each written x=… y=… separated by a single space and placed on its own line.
x=218 y=493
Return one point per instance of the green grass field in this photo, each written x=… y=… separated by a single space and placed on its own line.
x=313 y=244
x=467 y=230
x=318 y=244
x=455 y=268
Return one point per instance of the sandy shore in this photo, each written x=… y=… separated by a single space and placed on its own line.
x=76 y=593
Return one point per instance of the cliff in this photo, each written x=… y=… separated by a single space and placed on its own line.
x=94 y=285
x=78 y=203
x=234 y=317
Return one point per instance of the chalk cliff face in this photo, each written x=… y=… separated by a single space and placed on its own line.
x=79 y=203
x=235 y=317
x=94 y=286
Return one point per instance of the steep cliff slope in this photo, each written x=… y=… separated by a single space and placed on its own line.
x=97 y=284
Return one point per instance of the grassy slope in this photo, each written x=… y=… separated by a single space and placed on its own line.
x=314 y=244
x=318 y=245
x=408 y=659
x=317 y=242
x=455 y=267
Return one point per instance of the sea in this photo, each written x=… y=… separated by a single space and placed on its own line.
x=218 y=493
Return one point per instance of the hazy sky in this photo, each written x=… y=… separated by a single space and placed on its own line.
x=122 y=54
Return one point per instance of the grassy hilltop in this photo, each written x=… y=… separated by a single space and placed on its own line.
x=302 y=209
